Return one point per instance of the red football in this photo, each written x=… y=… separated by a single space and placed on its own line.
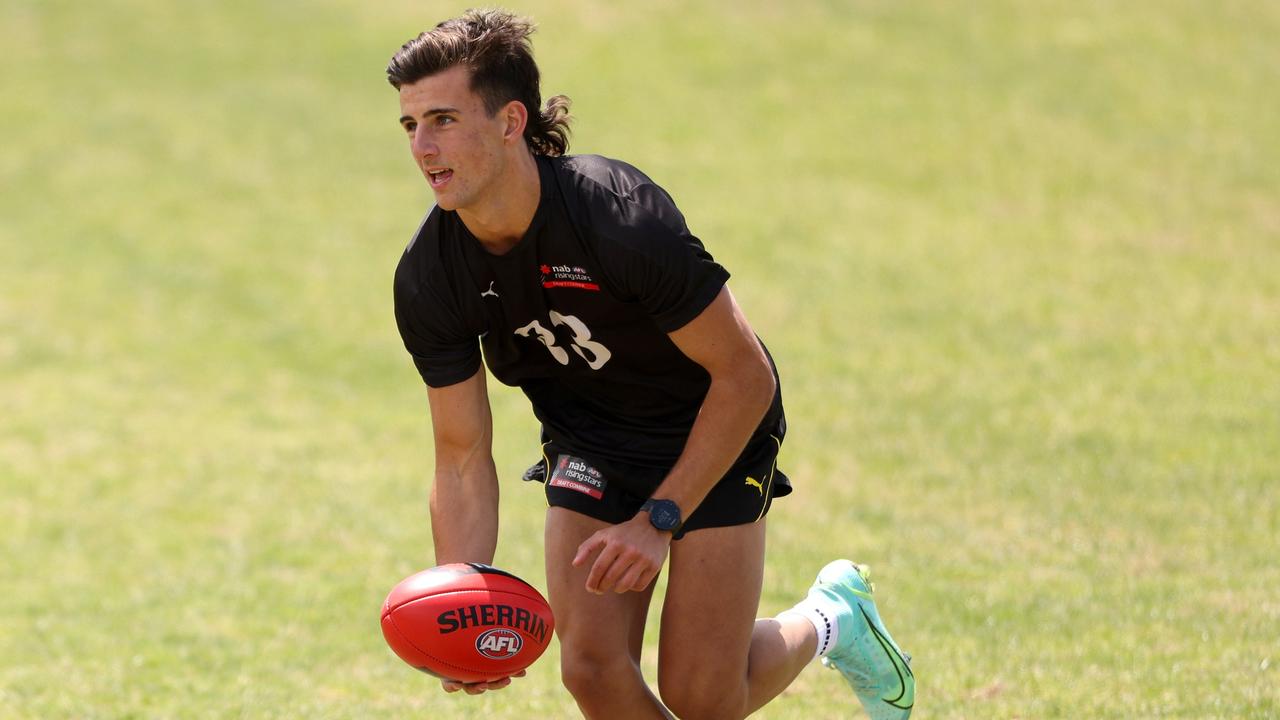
x=467 y=622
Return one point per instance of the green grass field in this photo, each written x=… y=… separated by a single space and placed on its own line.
x=1019 y=263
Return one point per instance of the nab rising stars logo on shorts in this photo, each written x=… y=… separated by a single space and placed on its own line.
x=567 y=276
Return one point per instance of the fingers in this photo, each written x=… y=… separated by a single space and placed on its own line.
x=628 y=570
x=623 y=564
x=591 y=545
x=628 y=581
x=603 y=564
x=636 y=579
x=452 y=686
x=494 y=685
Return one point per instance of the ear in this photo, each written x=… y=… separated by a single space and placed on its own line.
x=517 y=118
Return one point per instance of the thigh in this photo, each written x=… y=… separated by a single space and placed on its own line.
x=713 y=593
x=600 y=628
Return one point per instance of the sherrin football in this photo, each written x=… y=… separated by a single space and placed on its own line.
x=467 y=622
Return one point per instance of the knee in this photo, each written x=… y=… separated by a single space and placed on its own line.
x=702 y=696
x=594 y=678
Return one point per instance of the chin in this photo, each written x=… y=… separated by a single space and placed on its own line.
x=445 y=202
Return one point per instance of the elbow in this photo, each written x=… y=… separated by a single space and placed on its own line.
x=754 y=386
x=766 y=387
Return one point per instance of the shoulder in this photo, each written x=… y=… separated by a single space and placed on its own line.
x=424 y=244
x=437 y=324
x=423 y=261
x=644 y=248
x=596 y=173
x=615 y=198
x=430 y=277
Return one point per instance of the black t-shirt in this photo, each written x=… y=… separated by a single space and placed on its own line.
x=576 y=314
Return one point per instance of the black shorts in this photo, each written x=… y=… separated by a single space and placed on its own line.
x=613 y=492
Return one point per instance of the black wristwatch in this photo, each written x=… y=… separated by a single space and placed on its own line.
x=663 y=514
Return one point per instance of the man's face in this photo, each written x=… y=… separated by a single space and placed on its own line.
x=455 y=142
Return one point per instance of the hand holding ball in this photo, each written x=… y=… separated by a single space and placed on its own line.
x=467 y=622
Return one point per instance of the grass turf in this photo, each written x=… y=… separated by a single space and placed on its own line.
x=1018 y=263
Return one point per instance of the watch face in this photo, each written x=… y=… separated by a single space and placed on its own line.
x=665 y=515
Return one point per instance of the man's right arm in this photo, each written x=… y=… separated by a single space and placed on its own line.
x=464 y=496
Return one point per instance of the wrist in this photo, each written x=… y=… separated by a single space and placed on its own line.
x=663 y=515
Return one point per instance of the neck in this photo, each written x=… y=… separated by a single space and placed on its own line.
x=501 y=223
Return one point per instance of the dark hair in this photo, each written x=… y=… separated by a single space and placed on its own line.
x=494 y=45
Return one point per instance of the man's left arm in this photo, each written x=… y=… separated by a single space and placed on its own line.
x=742 y=388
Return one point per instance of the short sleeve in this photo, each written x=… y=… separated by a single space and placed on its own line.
x=443 y=348
x=650 y=256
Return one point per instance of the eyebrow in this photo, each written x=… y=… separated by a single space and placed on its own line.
x=429 y=113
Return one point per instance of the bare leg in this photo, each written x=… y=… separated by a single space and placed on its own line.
x=600 y=635
x=716 y=660
x=780 y=649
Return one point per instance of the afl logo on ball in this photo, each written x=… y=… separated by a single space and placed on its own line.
x=499 y=643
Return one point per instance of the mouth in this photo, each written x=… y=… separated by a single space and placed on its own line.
x=438 y=177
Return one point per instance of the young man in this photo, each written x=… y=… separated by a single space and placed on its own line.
x=660 y=410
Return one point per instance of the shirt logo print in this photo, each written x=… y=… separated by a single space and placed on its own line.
x=595 y=354
x=567 y=276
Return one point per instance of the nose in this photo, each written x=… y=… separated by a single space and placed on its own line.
x=423 y=145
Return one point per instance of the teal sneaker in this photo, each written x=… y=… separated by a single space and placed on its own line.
x=870 y=661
